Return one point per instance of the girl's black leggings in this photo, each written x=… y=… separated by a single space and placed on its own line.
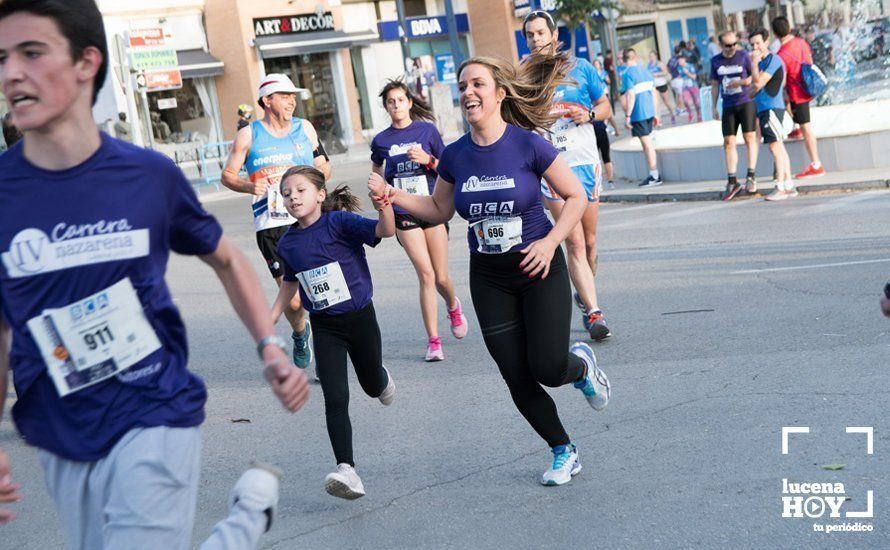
x=358 y=335
x=525 y=324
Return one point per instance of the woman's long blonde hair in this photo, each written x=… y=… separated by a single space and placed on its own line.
x=529 y=87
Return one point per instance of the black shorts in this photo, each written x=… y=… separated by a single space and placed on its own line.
x=642 y=128
x=771 y=125
x=267 y=241
x=663 y=88
x=743 y=115
x=602 y=143
x=800 y=112
x=404 y=222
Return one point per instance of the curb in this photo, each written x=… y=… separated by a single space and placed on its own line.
x=717 y=195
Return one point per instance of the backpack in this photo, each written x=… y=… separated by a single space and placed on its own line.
x=814 y=81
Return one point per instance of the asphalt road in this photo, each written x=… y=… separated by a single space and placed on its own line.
x=729 y=320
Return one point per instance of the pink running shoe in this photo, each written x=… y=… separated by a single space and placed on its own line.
x=458 y=321
x=434 y=350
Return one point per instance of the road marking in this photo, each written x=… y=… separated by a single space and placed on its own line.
x=678 y=214
x=604 y=210
x=814 y=266
x=836 y=202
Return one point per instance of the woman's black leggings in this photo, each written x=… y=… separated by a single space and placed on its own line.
x=602 y=143
x=525 y=324
x=358 y=335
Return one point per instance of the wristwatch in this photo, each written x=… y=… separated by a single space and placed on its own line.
x=592 y=114
x=270 y=341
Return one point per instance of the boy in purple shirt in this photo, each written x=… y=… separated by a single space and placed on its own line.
x=731 y=78
x=99 y=352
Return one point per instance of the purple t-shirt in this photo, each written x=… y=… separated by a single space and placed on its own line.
x=501 y=180
x=66 y=238
x=390 y=147
x=737 y=67
x=328 y=260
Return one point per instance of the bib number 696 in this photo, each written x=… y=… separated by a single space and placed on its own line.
x=495 y=232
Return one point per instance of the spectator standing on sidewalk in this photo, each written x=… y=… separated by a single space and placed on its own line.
x=731 y=77
x=641 y=106
x=794 y=52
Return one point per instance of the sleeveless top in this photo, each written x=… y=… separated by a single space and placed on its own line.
x=269 y=158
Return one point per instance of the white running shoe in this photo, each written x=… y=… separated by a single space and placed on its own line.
x=344 y=483
x=595 y=386
x=777 y=195
x=257 y=489
x=565 y=465
x=389 y=392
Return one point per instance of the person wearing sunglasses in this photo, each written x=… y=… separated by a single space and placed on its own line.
x=731 y=71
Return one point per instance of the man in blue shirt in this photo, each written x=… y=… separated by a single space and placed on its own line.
x=767 y=86
x=641 y=106
x=98 y=349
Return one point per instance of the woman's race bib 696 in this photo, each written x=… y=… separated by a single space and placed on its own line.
x=499 y=234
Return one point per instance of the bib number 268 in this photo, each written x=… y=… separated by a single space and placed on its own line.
x=321 y=287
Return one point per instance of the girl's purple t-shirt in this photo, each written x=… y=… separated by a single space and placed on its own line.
x=500 y=180
x=390 y=147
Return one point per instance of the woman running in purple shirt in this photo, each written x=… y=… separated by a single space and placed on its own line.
x=518 y=276
x=406 y=155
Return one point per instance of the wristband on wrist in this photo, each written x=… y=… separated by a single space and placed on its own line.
x=270 y=341
x=431 y=165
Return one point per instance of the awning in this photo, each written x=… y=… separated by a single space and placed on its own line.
x=198 y=63
x=325 y=41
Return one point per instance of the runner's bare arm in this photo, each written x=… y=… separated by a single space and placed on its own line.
x=286 y=293
x=386 y=223
x=320 y=162
x=436 y=208
x=237 y=157
x=715 y=95
x=246 y=295
x=630 y=98
x=760 y=78
x=8 y=489
x=377 y=169
x=602 y=108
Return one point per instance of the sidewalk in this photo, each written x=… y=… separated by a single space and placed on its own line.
x=837 y=182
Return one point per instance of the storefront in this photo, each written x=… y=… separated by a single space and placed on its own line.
x=304 y=40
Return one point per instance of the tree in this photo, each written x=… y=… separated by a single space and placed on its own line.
x=576 y=13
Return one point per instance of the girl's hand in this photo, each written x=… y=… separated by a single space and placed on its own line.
x=377 y=186
x=418 y=155
x=380 y=202
x=537 y=258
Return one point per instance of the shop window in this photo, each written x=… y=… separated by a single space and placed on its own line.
x=314 y=73
x=415 y=8
x=183 y=115
x=639 y=37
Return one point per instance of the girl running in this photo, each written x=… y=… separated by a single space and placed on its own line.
x=690 y=88
x=578 y=103
x=407 y=154
x=324 y=257
x=518 y=276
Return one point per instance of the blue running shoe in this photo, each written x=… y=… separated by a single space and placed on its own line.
x=302 y=349
x=565 y=465
x=595 y=386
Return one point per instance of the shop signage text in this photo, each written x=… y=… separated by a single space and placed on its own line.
x=149 y=59
x=154 y=36
x=423 y=27
x=293 y=24
x=153 y=55
x=157 y=81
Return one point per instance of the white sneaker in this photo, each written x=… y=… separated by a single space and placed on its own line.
x=389 y=392
x=344 y=483
x=595 y=387
x=565 y=465
x=777 y=195
x=257 y=489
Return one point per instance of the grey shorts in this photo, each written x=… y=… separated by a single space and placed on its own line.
x=141 y=496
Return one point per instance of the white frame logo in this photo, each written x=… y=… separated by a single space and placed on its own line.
x=814 y=499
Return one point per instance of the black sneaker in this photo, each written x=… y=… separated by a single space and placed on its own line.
x=596 y=326
x=651 y=182
x=732 y=189
x=751 y=185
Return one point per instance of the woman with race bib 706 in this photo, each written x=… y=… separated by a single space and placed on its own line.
x=518 y=276
x=406 y=155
